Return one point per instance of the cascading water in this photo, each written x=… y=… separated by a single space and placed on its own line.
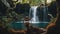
x=33 y=13
x=34 y=16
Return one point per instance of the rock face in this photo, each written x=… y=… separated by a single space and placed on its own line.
x=53 y=9
x=22 y=8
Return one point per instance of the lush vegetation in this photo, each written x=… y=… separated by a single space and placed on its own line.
x=21 y=10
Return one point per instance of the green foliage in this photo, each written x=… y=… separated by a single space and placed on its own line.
x=32 y=2
x=35 y=2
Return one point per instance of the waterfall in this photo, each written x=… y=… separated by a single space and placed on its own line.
x=33 y=14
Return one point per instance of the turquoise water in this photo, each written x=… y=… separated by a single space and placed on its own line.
x=19 y=26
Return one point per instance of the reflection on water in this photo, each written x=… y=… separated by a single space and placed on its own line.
x=19 y=25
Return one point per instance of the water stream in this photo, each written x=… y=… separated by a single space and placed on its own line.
x=33 y=14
